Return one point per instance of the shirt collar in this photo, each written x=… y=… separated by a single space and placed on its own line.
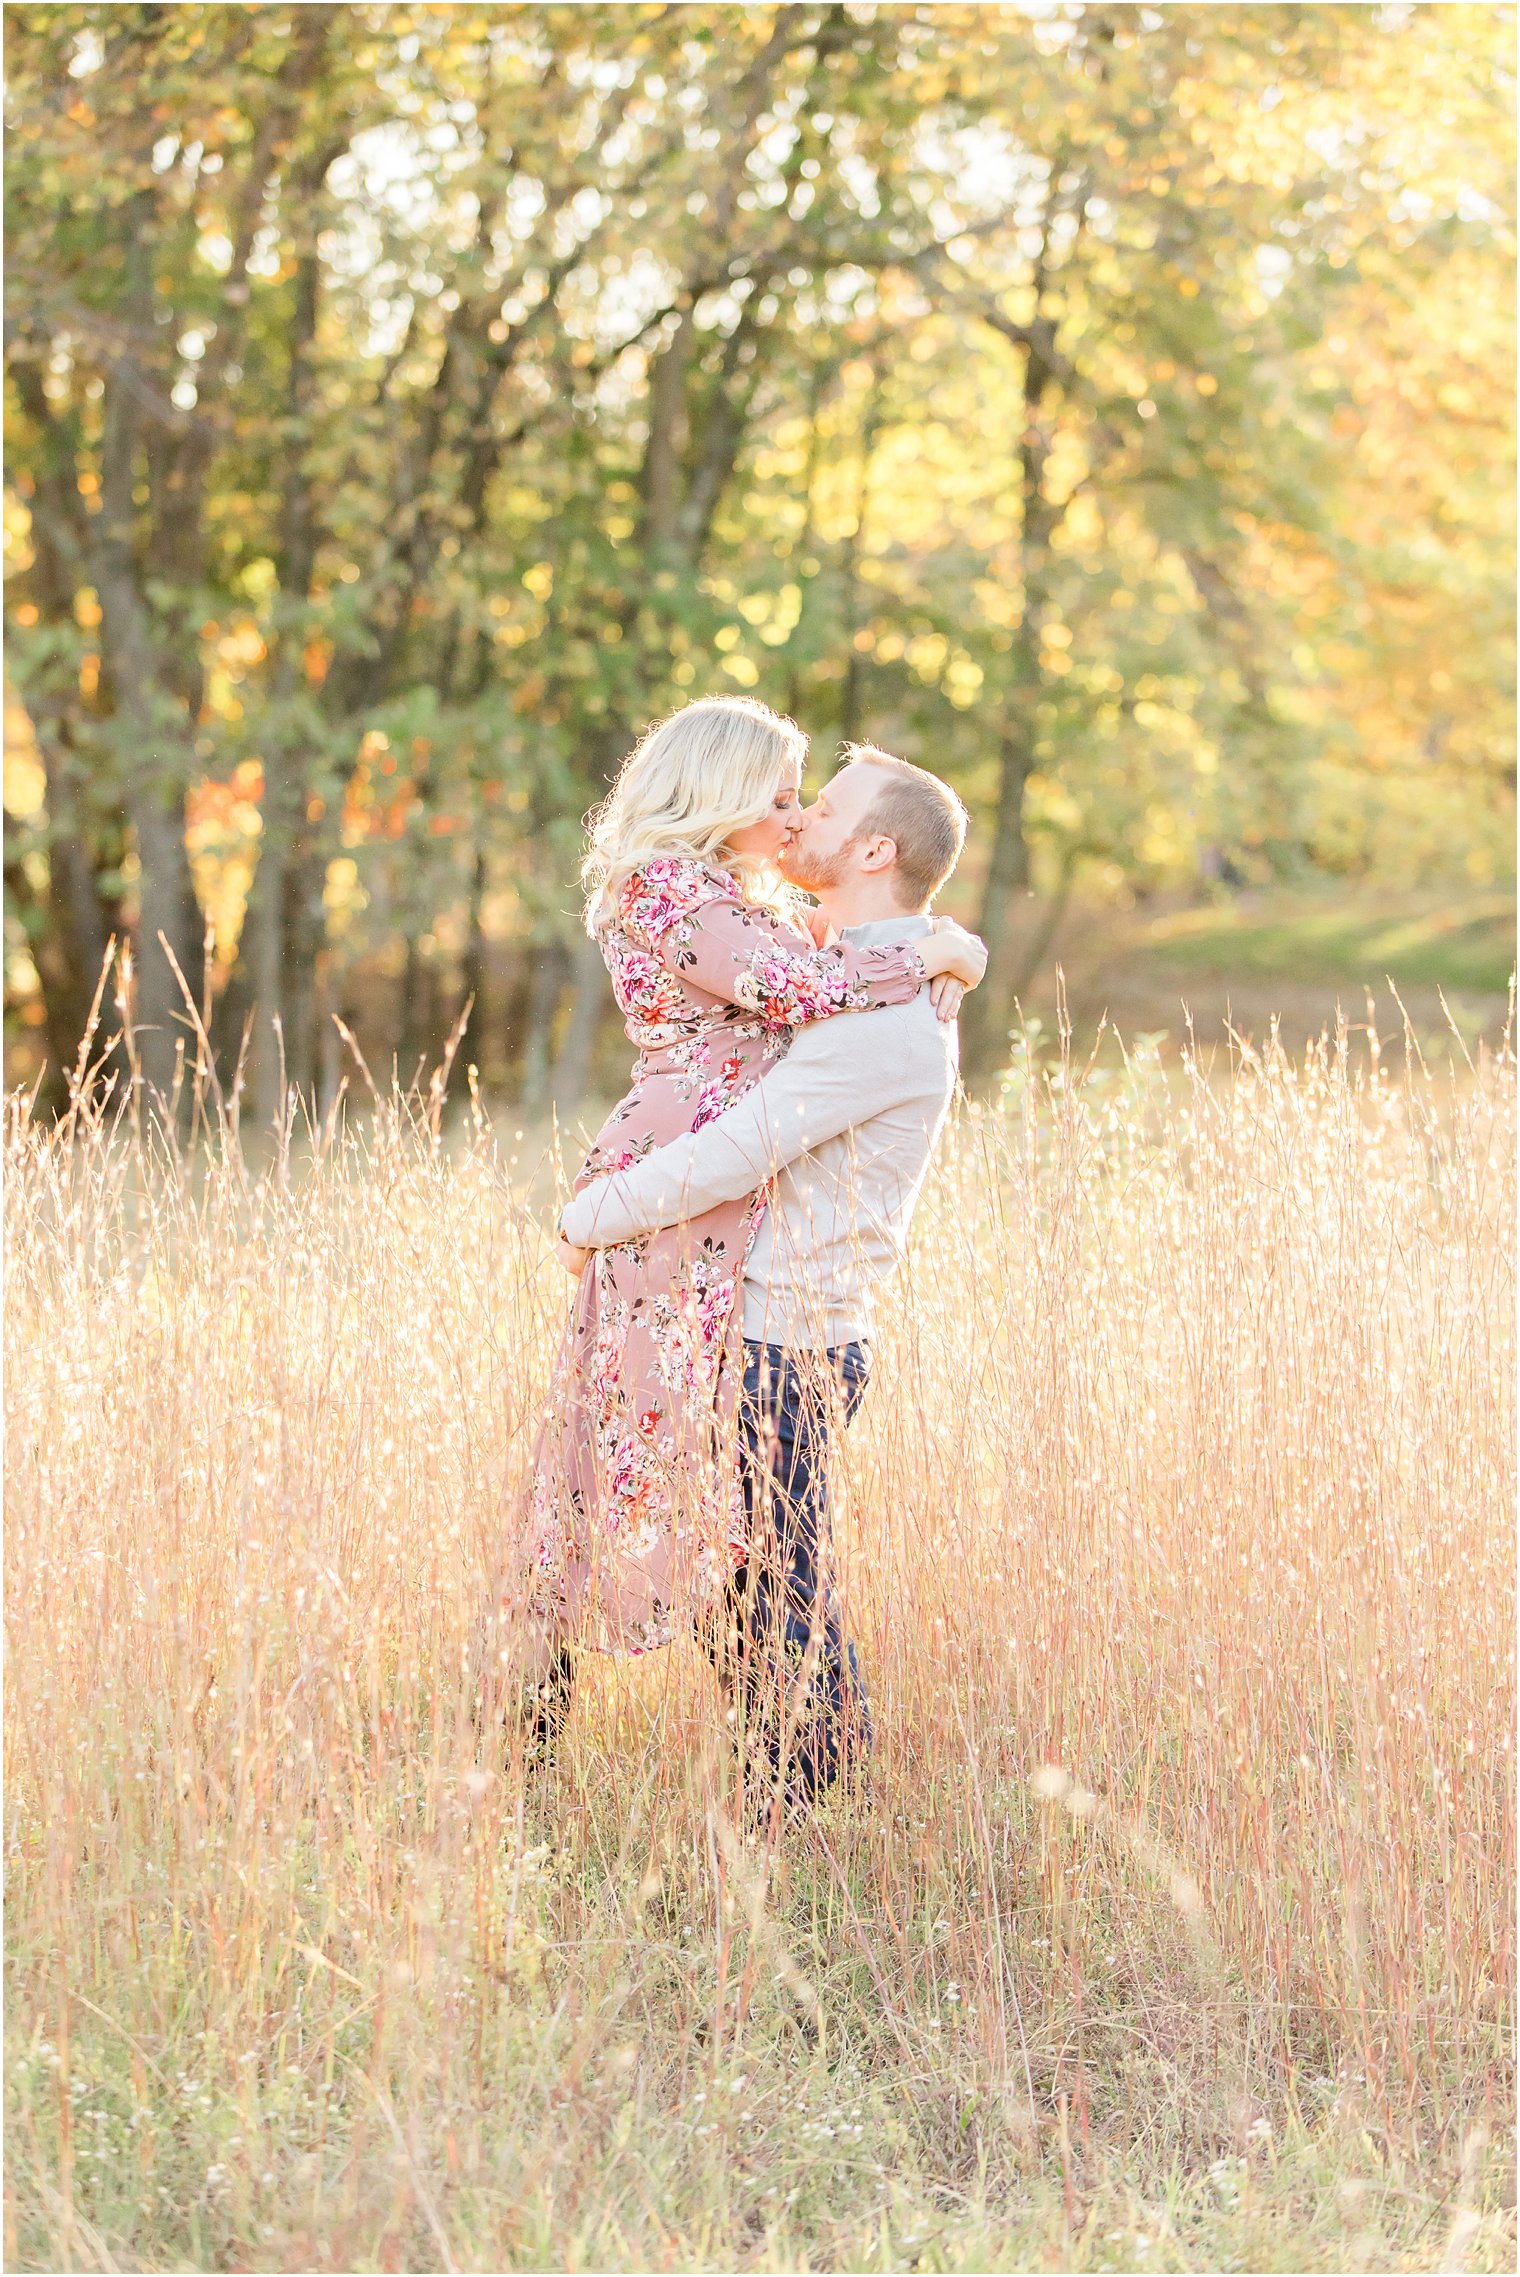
x=882 y=932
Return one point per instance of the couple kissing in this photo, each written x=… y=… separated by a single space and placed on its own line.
x=796 y=1062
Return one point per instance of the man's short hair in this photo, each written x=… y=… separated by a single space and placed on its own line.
x=920 y=814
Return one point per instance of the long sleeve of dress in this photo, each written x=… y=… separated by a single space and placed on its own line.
x=701 y=931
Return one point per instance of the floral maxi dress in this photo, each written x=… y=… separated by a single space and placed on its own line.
x=637 y=1514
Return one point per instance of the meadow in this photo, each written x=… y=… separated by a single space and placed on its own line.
x=1176 y=1928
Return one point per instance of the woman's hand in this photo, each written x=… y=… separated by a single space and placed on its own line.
x=574 y=1260
x=951 y=950
x=946 y=995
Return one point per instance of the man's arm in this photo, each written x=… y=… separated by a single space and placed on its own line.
x=838 y=1072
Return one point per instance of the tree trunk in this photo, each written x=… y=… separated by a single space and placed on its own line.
x=281 y=937
x=329 y=1050
x=472 y=978
x=305 y=939
x=60 y=969
x=588 y=997
x=164 y=904
x=667 y=439
x=854 y=613
x=72 y=948
x=1008 y=873
x=805 y=541
x=1038 y=946
x=551 y=960
x=156 y=758
x=165 y=901
x=262 y=949
x=989 y=1008
x=278 y=875
x=416 y=1039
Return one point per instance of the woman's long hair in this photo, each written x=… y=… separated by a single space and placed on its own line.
x=688 y=783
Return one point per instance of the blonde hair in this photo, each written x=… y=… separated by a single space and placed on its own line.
x=921 y=814
x=688 y=783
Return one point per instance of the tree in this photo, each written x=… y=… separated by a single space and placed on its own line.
x=407 y=406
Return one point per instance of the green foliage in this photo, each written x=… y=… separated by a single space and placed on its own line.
x=1470 y=944
x=1110 y=408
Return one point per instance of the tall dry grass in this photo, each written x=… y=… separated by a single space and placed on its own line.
x=1176 y=1929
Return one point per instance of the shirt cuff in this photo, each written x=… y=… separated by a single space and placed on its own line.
x=578 y=1218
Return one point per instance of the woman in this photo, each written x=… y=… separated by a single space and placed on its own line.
x=637 y=1511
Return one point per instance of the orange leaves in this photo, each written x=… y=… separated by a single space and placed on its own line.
x=243 y=645
x=392 y=818
x=375 y=809
x=366 y=815
x=229 y=803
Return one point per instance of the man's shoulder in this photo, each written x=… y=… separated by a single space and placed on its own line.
x=911 y=1033
x=917 y=1022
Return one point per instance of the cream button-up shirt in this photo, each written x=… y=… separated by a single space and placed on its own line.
x=845 y=1124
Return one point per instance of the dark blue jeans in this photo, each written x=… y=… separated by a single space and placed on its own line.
x=781 y=1648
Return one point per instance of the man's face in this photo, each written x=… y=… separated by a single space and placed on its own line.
x=827 y=848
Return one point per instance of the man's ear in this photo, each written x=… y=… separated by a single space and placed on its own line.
x=878 y=854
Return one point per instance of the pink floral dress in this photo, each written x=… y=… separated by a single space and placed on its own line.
x=637 y=1514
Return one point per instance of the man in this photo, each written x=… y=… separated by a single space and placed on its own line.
x=846 y=1124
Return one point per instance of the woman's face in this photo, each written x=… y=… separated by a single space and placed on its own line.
x=763 y=841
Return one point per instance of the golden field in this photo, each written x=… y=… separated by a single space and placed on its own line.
x=1176 y=1928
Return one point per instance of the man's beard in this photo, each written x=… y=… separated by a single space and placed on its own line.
x=819 y=873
